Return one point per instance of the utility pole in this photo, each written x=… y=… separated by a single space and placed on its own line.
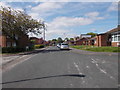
x=44 y=28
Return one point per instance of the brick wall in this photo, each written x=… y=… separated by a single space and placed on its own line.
x=115 y=44
x=23 y=41
x=3 y=41
x=101 y=40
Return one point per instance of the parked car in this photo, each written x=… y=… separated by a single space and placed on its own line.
x=58 y=45
x=64 y=46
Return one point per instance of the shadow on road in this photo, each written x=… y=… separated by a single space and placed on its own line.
x=55 y=50
x=67 y=75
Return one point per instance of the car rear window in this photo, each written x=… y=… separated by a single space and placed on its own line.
x=64 y=44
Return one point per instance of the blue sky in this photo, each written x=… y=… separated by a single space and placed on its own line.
x=70 y=19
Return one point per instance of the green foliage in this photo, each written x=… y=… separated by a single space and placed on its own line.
x=54 y=39
x=66 y=39
x=38 y=46
x=71 y=39
x=12 y=49
x=98 y=49
x=92 y=34
x=59 y=40
x=15 y=22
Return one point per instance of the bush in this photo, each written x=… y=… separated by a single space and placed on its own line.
x=12 y=49
x=39 y=46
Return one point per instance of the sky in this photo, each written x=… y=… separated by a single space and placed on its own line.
x=70 y=19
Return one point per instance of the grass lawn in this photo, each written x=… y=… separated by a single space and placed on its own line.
x=97 y=49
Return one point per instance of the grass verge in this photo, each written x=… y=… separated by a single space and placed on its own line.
x=97 y=49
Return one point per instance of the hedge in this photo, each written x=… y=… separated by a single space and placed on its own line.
x=12 y=49
x=38 y=46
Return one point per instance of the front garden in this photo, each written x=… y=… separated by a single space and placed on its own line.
x=97 y=49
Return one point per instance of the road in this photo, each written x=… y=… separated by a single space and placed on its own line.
x=54 y=68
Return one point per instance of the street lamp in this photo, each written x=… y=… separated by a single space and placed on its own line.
x=44 y=28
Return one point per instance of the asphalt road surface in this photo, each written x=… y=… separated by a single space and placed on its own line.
x=54 y=68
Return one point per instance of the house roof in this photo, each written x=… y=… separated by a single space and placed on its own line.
x=33 y=38
x=114 y=30
x=92 y=38
x=83 y=38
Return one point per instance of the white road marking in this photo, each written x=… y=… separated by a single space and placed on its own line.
x=102 y=70
x=71 y=84
x=77 y=68
x=83 y=81
x=87 y=67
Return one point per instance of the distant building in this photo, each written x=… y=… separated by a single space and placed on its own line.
x=109 y=38
x=36 y=40
x=85 y=36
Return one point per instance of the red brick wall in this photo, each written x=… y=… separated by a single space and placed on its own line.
x=114 y=44
x=81 y=42
x=101 y=40
x=3 y=41
x=97 y=41
x=24 y=41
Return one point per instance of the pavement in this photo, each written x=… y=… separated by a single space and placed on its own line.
x=54 y=68
x=10 y=60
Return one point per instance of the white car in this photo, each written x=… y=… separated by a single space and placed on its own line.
x=64 y=46
x=58 y=45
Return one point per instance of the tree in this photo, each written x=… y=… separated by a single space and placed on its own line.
x=92 y=34
x=15 y=22
x=71 y=39
x=66 y=39
x=54 y=39
x=59 y=40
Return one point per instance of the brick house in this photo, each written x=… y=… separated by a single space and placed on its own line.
x=37 y=40
x=110 y=38
x=90 y=41
x=82 y=41
x=5 y=41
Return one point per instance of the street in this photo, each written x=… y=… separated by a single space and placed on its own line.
x=54 y=68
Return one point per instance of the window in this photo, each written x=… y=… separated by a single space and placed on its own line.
x=94 y=41
x=8 y=44
x=118 y=38
x=115 y=37
x=14 y=44
x=16 y=36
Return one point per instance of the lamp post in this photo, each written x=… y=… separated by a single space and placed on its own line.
x=44 y=28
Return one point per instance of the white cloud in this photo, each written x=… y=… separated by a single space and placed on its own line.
x=4 y=4
x=45 y=9
x=113 y=7
x=19 y=9
x=70 y=21
x=94 y=16
x=60 y=0
x=62 y=25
